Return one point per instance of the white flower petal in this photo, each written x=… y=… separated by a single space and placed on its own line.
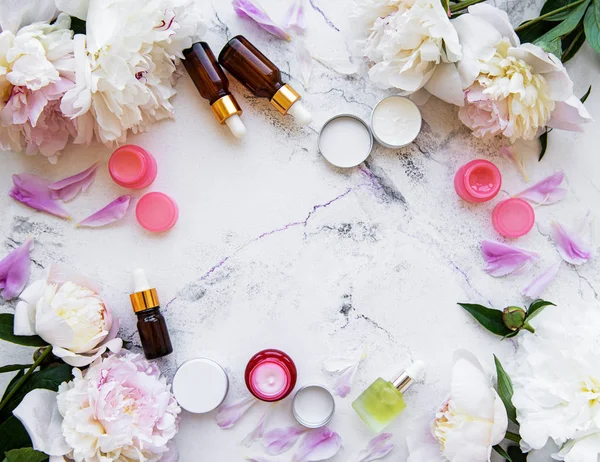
x=569 y=115
x=23 y=324
x=15 y=14
x=39 y=415
x=76 y=8
x=498 y=19
x=445 y=83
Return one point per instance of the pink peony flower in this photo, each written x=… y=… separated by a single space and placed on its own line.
x=482 y=114
x=120 y=409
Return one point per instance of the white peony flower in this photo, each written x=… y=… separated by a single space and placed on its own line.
x=468 y=424
x=68 y=315
x=411 y=44
x=511 y=88
x=126 y=63
x=557 y=384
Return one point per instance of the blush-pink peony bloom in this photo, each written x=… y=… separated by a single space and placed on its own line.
x=482 y=114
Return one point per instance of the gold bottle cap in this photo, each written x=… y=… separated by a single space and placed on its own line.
x=285 y=97
x=225 y=107
x=144 y=300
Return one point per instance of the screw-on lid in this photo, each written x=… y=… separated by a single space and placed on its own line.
x=156 y=212
x=513 y=217
x=143 y=297
x=200 y=385
x=413 y=373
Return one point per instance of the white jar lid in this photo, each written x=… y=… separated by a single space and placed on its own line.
x=200 y=385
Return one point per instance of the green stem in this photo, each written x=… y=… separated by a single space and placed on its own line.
x=513 y=437
x=463 y=5
x=22 y=380
x=549 y=14
x=573 y=43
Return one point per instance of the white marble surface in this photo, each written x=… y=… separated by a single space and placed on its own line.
x=275 y=248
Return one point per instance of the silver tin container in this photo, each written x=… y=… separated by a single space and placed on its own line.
x=350 y=164
x=302 y=420
x=383 y=143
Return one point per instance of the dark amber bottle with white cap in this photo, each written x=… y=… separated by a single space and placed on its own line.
x=253 y=69
x=212 y=83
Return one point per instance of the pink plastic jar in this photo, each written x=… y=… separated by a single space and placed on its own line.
x=513 y=217
x=156 y=212
x=132 y=167
x=270 y=375
x=478 y=181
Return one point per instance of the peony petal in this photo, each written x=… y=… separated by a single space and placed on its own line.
x=498 y=19
x=295 y=18
x=520 y=149
x=378 y=448
x=280 y=440
x=569 y=115
x=38 y=412
x=70 y=187
x=249 y=9
x=571 y=244
x=14 y=270
x=547 y=191
x=319 y=444
x=445 y=83
x=15 y=14
x=345 y=369
x=535 y=288
x=33 y=191
x=76 y=8
x=228 y=415
x=25 y=310
x=503 y=259
x=109 y=214
x=304 y=60
x=258 y=432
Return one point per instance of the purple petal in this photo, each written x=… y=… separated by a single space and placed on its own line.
x=280 y=440
x=503 y=259
x=248 y=9
x=547 y=191
x=571 y=245
x=70 y=187
x=33 y=191
x=14 y=271
x=228 y=415
x=319 y=444
x=295 y=18
x=378 y=448
x=258 y=431
x=540 y=283
x=109 y=214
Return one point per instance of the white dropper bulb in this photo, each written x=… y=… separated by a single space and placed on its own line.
x=300 y=113
x=416 y=370
x=236 y=125
x=140 y=281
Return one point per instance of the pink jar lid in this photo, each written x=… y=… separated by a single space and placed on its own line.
x=478 y=181
x=513 y=217
x=156 y=212
x=132 y=167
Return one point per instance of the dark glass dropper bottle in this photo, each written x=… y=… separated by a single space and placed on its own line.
x=151 y=323
x=211 y=82
x=253 y=69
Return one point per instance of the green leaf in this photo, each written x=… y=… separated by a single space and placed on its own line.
x=12 y=383
x=489 y=318
x=572 y=43
x=14 y=367
x=25 y=455
x=505 y=390
x=516 y=455
x=591 y=24
x=531 y=33
x=500 y=450
x=78 y=25
x=536 y=308
x=49 y=379
x=552 y=5
x=587 y=93
x=544 y=143
x=13 y=435
x=551 y=40
x=6 y=333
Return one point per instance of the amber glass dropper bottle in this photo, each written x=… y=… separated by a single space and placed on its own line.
x=262 y=77
x=151 y=323
x=212 y=83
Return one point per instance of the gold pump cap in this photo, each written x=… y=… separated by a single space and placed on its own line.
x=144 y=297
x=285 y=97
x=225 y=107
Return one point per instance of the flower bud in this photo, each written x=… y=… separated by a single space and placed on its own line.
x=514 y=317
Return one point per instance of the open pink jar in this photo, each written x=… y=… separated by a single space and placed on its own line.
x=270 y=375
x=478 y=181
x=132 y=167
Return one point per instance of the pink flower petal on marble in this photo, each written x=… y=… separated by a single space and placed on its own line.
x=109 y=214
x=230 y=414
x=251 y=10
x=378 y=448
x=541 y=282
x=319 y=444
x=547 y=191
x=33 y=191
x=258 y=431
x=573 y=245
x=345 y=371
x=503 y=259
x=14 y=271
x=295 y=18
x=280 y=440
x=68 y=188
x=515 y=158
